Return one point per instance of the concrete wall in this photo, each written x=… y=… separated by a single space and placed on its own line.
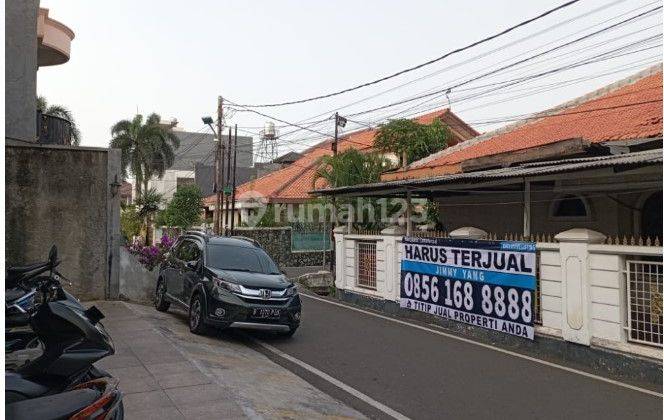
x=167 y=185
x=21 y=69
x=136 y=282
x=582 y=302
x=277 y=243
x=62 y=195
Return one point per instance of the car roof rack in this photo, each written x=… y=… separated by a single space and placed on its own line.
x=198 y=233
x=248 y=239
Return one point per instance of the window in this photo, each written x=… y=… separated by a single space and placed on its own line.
x=569 y=207
x=188 y=251
x=644 y=302
x=181 y=182
x=240 y=258
x=366 y=264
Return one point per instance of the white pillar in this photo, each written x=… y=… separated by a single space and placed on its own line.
x=526 y=210
x=391 y=236
x=340 y=257
x=575 y=282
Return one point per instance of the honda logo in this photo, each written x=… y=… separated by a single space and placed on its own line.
x=265 y=293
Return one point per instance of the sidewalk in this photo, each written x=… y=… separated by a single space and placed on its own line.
x=166 y=372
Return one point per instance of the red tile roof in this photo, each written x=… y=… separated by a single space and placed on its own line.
x=292 y=183
x=632 y=111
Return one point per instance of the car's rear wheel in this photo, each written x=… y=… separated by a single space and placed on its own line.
x=160 y=301
x=196 y=324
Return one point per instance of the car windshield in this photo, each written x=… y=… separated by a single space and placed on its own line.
x=240 y=258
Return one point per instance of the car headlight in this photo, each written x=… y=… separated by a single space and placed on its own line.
x=291 y=291
x=223 y=284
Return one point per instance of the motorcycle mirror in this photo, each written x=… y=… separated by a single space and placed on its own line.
x=53 y=255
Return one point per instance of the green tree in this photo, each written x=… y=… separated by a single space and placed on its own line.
x=184 y=210
x=148 y=205
x=350 y=167
x=61 y=112
x=148 y=149
x=410 y=139
x=130 y=222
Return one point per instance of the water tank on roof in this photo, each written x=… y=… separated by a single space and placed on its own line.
x=269 y=131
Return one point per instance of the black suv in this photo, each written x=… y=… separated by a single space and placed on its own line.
x=227 y=282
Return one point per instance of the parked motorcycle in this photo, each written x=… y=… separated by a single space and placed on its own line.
x=62 y=382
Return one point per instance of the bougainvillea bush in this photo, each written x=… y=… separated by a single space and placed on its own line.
x=151 y=256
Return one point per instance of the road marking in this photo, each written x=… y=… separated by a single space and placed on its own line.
x=488 y=346
x=349 y=389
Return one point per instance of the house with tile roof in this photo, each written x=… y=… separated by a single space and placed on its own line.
x=592 y=162
x=581 y=183
x=291 y=185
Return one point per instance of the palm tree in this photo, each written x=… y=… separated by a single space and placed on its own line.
x=148 y=205
x=61 y=112
x=350 y=167
x=148 y=149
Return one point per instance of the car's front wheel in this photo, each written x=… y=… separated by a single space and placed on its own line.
x=160 y=301
x=196 y=324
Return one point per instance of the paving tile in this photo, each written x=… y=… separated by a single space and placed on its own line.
x=217 y=410
x=143 y=401
x=162 y=413
x=158 y=369
x=128 y=325
x=129 y=372
x=132 y=386
x=119 y=361
x=153 y=339
x=157 y=356
x=182 y=379
x=197 y=395
x=135 y=379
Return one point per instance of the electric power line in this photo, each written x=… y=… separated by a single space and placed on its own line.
x=427 y=63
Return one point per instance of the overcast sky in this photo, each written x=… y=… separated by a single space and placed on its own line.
x=175 y=57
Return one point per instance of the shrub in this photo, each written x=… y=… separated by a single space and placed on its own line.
x=153 y=255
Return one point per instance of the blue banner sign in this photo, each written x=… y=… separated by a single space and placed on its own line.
x=490 y=284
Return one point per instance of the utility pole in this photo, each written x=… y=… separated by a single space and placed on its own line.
x=219 y=166
x=227 y=207
x=334 y=202
x=233 y=188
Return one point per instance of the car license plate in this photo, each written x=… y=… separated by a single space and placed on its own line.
x=266 y=313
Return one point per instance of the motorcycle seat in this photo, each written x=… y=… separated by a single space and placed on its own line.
x=18 y=388
x=20 y=269
x=57 y=406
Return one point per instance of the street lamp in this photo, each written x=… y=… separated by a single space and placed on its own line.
x=209 y=121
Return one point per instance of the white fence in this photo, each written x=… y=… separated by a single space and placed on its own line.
x=589 y=292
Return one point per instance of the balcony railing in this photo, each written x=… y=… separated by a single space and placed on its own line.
x=53 y=130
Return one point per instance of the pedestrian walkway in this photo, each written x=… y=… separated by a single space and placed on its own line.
x=166 y=372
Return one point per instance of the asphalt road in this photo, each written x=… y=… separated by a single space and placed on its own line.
x=424 y=375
